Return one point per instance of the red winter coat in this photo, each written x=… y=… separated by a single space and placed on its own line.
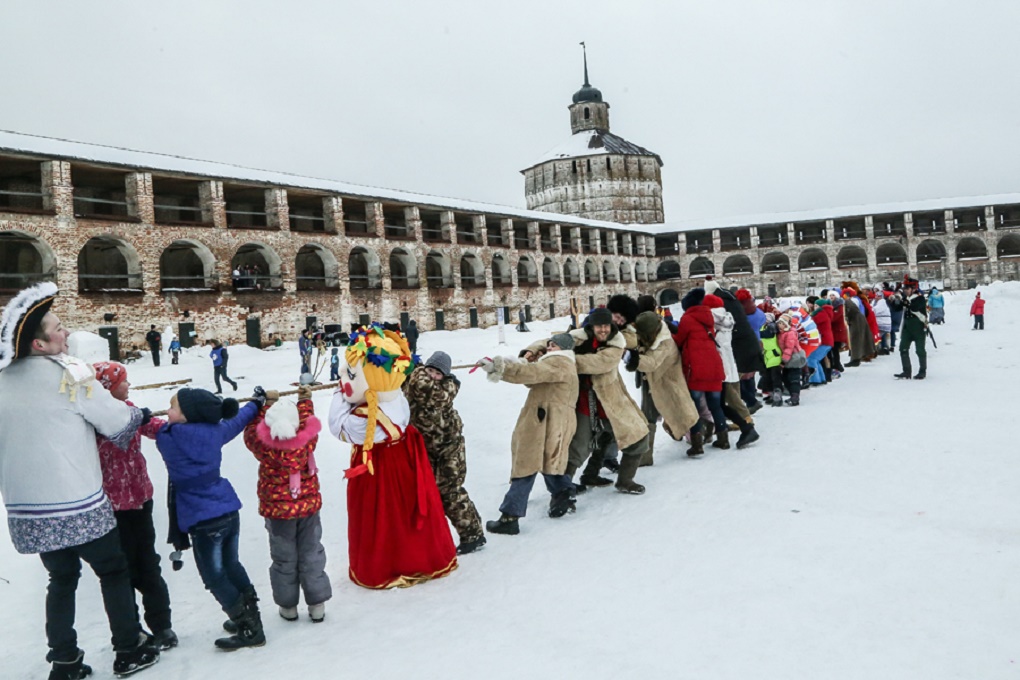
x=823 y=319
x=279 y=459
x=125 y=476
x=869 y=314
x=703 y=367
x=838 y=326
x=977 y=307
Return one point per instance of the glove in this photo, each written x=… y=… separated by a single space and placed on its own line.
x=272 y=396
x=304 y=392
x=259 y=396
x=486 y=365
x=632 y=361
x=146 y=416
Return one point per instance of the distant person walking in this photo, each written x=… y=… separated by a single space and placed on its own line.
x=175 y=351
x=411 y=334
x=936 y=307
x=522 y=326
x=977 y=310
x=219 y=358
x=155 y=341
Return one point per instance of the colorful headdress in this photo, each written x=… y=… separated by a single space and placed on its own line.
x=386 y=361
x=21 y=318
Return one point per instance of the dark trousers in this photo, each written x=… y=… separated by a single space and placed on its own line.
x=175 y=356
x=138 y=541
x=748 y=392
x=834 y=359
x=792 y=380
x=154 y=348
x=215 y=544
x=515 y=503
x=64 y=566
x=714 y=401
x=221 y=372
x=979 y=322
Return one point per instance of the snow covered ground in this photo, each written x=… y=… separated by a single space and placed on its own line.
x=871 y=533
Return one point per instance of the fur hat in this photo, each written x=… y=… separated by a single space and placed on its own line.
x=711 y=286
x=625 y=306
x=693 y=298
x=21 y=319
x=110 y=374
x=647 y=326
x=202 y=406
x=441 y=362
x=563 y=341
x=712 y=301
x=600 y=316
x=282 y=419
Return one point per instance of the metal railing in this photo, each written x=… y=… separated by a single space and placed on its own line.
x=81 y=203
x=36 y=196
x=313 y=222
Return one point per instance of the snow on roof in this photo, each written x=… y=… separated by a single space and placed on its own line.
x=931 y=204
x=49 y=147
x=593 y=142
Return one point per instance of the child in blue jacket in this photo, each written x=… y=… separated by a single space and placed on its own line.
x=191 y=443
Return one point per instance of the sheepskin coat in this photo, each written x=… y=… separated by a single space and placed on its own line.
x=660 y=364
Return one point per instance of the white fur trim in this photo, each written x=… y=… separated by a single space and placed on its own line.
x=13 y=312
x=283 y=420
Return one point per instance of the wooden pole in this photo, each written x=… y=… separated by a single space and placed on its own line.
x=285 y=393
x=153 y=386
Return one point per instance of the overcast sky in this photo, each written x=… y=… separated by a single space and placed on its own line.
x=755 y=106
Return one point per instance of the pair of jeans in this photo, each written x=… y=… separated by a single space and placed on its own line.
x=138 y=541
x=221 y=372
x=814 y=361
x=515 y=503
x=979 y=322
x=714 y=402
x=107 y=560
x=215 y=544
x=747 y=392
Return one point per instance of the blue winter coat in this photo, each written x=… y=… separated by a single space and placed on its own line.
x=757 y=320
x=219 y=355
x=935 y=301
x=193 y=453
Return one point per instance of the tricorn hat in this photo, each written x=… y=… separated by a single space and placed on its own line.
x=21 y=319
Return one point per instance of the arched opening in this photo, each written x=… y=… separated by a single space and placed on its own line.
x=609 y=272
x=403 y=269
x=890 y=254
x=24 y=260
x=625 y=273
x=931 y=251
x=187 y=265
x=501 y=271
x=850 y=257
x=363 y=269
x=702 y=267
x=109 y=264
x=1009 y=246
x=472 y=271
x=315 y=268
x=668 y=296
x=571 y=272
x=527 y=271
x=811 y=260
x=669 y=269
x=438 y=272
x=550 y=272
x=591 y=271
x=256 y=266
x=737 y=265
x=971 y=249
x=641 y=271
x=587 y=113
x=774 y=263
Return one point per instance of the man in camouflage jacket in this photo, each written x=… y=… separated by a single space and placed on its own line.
x=430 y=391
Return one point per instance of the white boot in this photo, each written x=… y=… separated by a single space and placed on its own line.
x=317 y=612
x=289 y=613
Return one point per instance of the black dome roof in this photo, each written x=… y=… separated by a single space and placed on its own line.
x=587 y=93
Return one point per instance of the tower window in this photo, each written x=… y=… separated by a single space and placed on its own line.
x=587 y=113
x=574 y=166
x=609 y=163
x=589 y=165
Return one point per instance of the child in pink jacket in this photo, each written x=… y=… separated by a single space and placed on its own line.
x=789 y=345
x=127 y=485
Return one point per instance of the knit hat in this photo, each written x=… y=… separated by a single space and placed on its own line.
x=646 y=303
x=110 y=374
x=21 y=319
x=441 y=362
x=711 y=286
x=563 y=341
x=821 y=302
x=693 y=298
x=202 y=406
x=306 y=379
x=712 y=301
x=625 y=306
x=746 y=300
x=282 y=419
x=785 y=319
x=600 y=316
x=648 y=325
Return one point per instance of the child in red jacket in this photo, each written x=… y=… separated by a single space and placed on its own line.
x=793 y=357
x=283 y=437
x=127 y=485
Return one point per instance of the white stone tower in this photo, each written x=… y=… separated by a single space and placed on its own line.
x=595 y=173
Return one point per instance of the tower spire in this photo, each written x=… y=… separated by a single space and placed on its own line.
x=584 y=50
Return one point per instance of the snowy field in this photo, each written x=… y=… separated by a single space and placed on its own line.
x=871 y=533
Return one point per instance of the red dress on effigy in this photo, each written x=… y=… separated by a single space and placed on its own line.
x=397 y=531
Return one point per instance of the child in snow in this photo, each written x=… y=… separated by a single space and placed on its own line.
x=794 y=359
x=430 y=391
x=175 y=351
x=334 y=365
x=127 y=485
x=200 y=423
x=283 y=437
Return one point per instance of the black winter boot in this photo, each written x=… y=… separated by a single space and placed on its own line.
x=722 y=439
x=707 y=431
x=247 y=619
x=748 y=435
x=506 y=524
x=165 y=639
x=130 y=662
x=794 y=400
x=777 y=398
x=467 y=547
x=561 y=503
x=905 y=373
x=924 y=368
x=625 y=480
x=594 y=479
x=251 y=600
x=71 y=670
x=697 y=444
